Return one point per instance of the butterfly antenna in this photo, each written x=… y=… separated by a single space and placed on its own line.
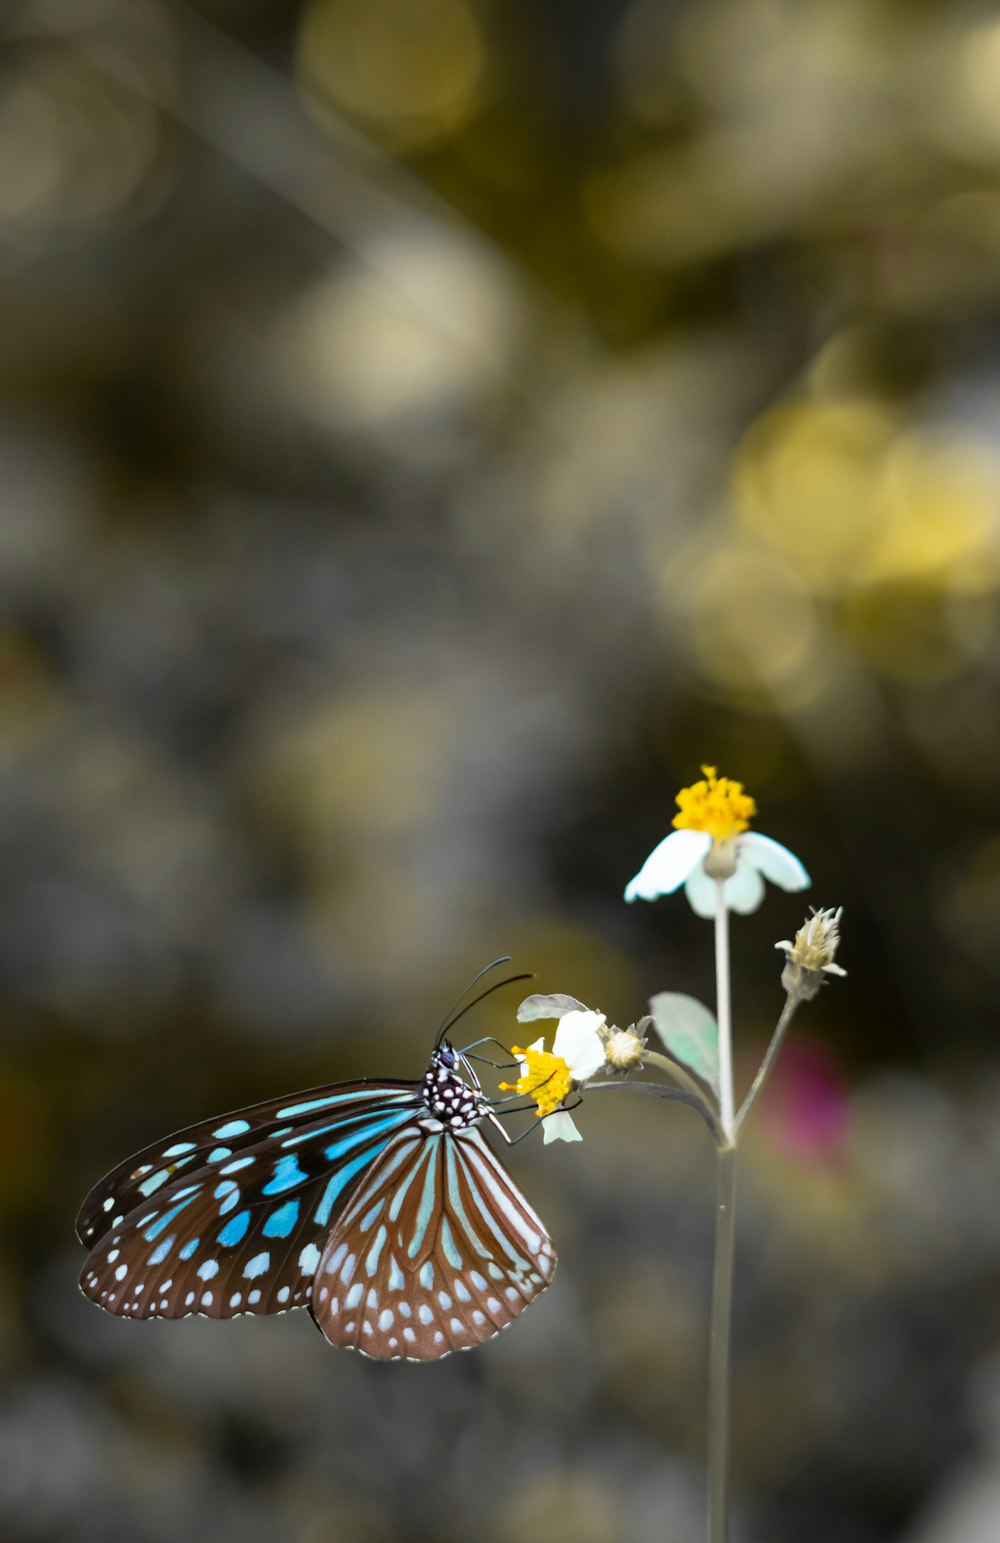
x=458 y=1012
x=504 y=959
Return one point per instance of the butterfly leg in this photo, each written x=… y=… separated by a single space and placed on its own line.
x=513 y=1140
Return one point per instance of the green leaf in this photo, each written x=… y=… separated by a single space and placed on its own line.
x=690 y=1033
x=556 y=1006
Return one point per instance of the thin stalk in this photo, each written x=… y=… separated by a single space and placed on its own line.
x=718 y=1349
x=722 y=1278
x=771 y=1055
x=680 y=1076
x=723 y=1011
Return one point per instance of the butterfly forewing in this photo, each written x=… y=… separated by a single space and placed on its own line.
x=241 y=1231
x=436 y=1250
x=215 y=1142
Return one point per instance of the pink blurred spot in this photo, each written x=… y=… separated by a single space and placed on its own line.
x=805 y=1109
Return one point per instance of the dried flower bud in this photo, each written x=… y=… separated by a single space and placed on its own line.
x=811 y=956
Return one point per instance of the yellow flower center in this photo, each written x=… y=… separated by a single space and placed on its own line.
x=545 y=1078
x=716 y=805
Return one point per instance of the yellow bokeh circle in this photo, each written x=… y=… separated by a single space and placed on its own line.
x=409 y=69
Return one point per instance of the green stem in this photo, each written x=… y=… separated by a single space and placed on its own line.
x=771 y=1055
x=718 y=1349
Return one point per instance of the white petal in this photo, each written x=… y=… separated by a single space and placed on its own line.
x=774 y=861
x=669 y=864
x=559 y=1127
x=701 y=892
x=555 y=1006
x=578 y=1043
x=745 y=890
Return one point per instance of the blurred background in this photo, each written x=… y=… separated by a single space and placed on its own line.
x=428 y=430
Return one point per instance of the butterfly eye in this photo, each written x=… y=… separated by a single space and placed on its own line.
x=447 y=1057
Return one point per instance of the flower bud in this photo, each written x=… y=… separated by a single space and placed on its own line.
x=811 y=956
x=623 y=1049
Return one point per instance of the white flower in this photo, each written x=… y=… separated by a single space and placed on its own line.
x=713 y=843
x=577 y=1055
x=680 y=859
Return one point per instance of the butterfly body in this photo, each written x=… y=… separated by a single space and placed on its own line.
x=376 y=1204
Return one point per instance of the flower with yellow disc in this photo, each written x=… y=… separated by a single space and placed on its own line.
x=712 y=842
x=577 y=1054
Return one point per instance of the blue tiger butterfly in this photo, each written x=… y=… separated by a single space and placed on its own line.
x=377 y=1205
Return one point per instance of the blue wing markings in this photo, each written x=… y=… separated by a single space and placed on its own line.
x=339 y=1182
x=281 y=1222
x=428 y=1198
x=287 y=1175
x=274 y=1245
x=235 y=1230
x=154 y=1169
x=231 y=1128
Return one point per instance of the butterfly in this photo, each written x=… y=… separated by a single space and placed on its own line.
x=377 y=1205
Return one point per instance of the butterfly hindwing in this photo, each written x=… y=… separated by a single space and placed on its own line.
x=435 y=1250
x=243 y=1233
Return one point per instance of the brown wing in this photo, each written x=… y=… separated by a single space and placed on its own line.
x=437 y=1250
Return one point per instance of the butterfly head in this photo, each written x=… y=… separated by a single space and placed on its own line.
x=451 y=1089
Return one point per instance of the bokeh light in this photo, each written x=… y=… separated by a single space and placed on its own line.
x=410 y=71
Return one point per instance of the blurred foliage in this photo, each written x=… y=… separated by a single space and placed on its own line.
x=427 y=432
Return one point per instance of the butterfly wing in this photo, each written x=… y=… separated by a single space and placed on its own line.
x=435 y=1250
x=217 y=1141
x=243 y=1230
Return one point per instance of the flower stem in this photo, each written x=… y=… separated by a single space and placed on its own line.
x=771 y=1055
x=723 y=1012
x=718 y=1348
x=722 y=1279
x=680 y=1076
